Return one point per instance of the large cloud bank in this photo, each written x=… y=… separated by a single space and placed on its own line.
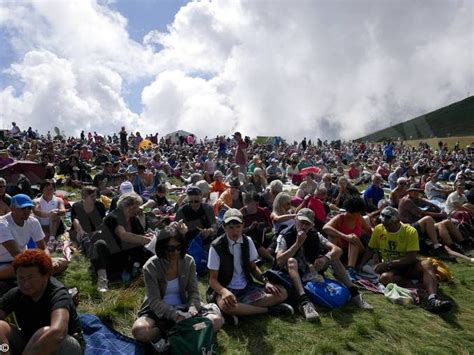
x=292 y=68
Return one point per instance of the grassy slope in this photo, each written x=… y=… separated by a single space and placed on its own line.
x=389 y=329
x=452 y=120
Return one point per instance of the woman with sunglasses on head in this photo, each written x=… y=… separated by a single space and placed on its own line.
x=171 y=289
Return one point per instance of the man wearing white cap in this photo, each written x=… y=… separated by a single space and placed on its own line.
x=302 y=251
x=231 y=264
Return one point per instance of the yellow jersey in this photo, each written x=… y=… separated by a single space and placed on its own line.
x=393 y=246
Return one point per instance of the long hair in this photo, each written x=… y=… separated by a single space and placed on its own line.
x=280 y=200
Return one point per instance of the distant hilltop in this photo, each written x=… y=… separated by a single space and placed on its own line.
x=455 y=120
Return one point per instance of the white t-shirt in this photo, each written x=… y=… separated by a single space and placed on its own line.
x=452 y=199
x=239 y=280
x=47 y=206
x=430 y=190
x=9 y=230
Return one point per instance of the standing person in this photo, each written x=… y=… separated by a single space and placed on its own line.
x=231 y=265
x=241 y=157
x=44 y=310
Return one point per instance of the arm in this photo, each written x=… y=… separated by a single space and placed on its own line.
x=48 y=340
x=193 y=286
x=408 y=259
x=38 y=212
x=283 y=256
x=330 y=229
x=153 y=294
x=129 y=237
x=12 y=247
x=282 y=218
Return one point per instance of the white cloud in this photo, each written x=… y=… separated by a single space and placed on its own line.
x=299 y=68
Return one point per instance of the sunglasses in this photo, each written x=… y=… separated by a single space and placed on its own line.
x=173 y=248
x=194 y=201
x=387 y=216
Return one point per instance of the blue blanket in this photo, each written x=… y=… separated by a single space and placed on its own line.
x=101 y=340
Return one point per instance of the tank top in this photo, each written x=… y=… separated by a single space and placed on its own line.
x=46 y=206
x=343 y=228
x=172 y=295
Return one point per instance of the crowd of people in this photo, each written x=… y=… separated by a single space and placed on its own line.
x=268 y=217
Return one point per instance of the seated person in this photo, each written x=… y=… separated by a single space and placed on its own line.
x=121 y=241
x=302 y=250
x=44 y=311
x=256 y=224
x=272 y=190
x=49 y=209
x=398 y=245
x=198 y=216
x=146 y=182
x=374 y=193
x=5 y=199
x=86 y=215
x=16 y=230
x=348 y=229
x=257 y=181
x=282 y=215
x=231 y=267
x=307 y=187
x=457 y=201
x=435 y=191
x=218 y=184
x=273 y=171
x=159 y=201
x=410 y=209
x=331 y=187
x=171 y=288
x=399 y=191
x=230 y=198
x=317 y=203
x=345 y=191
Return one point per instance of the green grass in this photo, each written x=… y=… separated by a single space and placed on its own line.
x=390 y=328
x=449 y=121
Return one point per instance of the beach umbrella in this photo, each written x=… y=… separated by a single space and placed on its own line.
x=33 y=171
x=310 y=169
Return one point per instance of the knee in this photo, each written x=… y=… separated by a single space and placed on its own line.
x=427 y=265
x=141 y=331
x=292 y=264
x=217 y=322
x=427 y=220
x=386 y=278
x=5 y=328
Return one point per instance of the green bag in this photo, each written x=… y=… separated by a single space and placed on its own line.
x=192 y=336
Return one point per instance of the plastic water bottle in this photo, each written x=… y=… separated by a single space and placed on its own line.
x=135 y=269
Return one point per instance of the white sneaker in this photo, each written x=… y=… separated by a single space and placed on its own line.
x=102 y=285
x=308 y=310
x=360 y=302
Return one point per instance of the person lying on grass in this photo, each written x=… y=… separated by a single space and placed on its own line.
x=231 y=266
x=302 y=250
x=171 y=288
x=398 y=245
x=44 y=310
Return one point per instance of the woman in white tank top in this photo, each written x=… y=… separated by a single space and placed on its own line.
x=49 y=209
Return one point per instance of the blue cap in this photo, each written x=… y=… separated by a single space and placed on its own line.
x=21 y=201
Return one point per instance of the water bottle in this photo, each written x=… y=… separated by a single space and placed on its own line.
x=135 y=269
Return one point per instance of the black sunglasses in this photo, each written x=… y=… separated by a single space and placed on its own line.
x=172 y=248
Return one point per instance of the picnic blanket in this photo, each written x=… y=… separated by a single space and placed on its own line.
x=101 y=340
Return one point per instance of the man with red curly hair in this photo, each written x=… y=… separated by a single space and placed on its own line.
x=44 y=310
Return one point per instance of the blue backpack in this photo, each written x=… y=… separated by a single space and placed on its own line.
x=329 y=294
x=199 y=254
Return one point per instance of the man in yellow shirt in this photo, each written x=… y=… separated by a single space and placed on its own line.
x=398 y=245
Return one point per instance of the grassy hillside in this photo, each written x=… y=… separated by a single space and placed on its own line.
x=455 y=120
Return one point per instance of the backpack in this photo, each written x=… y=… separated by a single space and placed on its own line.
x=329 y=293
x=192 y=336
x=199 y=253
x=442 y=270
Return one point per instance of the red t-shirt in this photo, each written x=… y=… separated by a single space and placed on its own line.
x=318 y=207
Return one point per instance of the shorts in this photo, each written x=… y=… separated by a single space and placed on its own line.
x=250 y=294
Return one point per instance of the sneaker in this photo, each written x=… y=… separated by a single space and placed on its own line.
x=230 y=319
x=442 y=254
x=435 y=305
x=308 y=311
x=352 y=274
x=102 y=285
x=360 y=302
x=282 y=309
